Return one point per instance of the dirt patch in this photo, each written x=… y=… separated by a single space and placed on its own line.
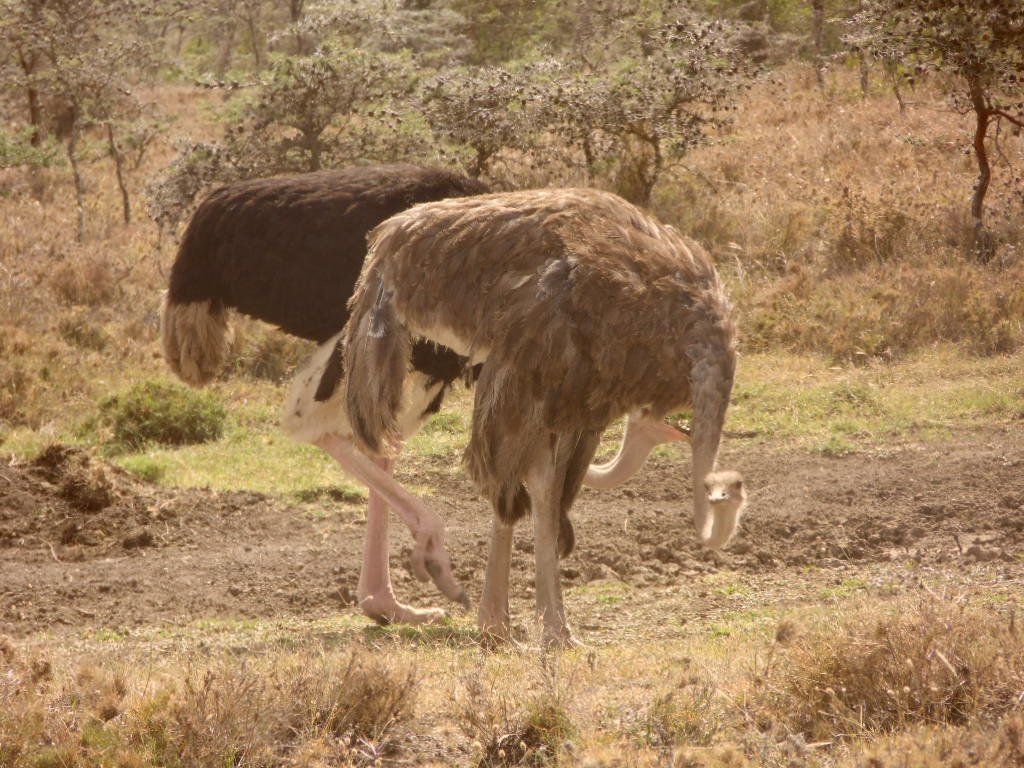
x=84 y=543
x=81 y=508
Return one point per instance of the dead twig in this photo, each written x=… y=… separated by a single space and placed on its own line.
x=53 y=552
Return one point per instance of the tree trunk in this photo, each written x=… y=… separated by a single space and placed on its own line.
x=72 y=150
x=35 y=113
x=227 y=45
x=295 y=8
x=894 y=74
x=818 y=31
x=589 y=156
x=983 y=116
x=118 y=159
x=179 y=43
x=254 y=37
x=483 y=156
x=314 y=147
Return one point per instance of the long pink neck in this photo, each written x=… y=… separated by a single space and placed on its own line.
x=642 y=434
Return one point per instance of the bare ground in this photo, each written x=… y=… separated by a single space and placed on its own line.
x=84 y=544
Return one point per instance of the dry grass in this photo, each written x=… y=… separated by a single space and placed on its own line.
x=528 y=723
x=888 y=310
x=306 y=709
x=997 y=746
x=911 y=682
x=843 y=224
x=261 y=352
x=840 y=223
x=920 y=661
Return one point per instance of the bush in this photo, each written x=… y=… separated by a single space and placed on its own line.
x=84 y=280
x=164 y=413
x=264 y=353
x=928 y=661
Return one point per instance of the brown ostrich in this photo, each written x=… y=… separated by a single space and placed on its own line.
x=578 y=307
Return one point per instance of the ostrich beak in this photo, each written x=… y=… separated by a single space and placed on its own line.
x=669 y=434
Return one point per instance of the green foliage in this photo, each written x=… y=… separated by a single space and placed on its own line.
x=162 y=413
x=306 y=95
x=487 y=109
x=16 y=149
x=336 y=106
x=507 y=29
x=628 y=113
x=145 y=468
x=969 y=38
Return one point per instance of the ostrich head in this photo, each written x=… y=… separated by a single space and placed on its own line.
x=726 y=498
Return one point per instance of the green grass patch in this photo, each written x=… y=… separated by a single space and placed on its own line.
x=145 y=468
x=245 y=459
x=447 y=432
x=822 y=406
x=805 y=401
x=452 y=632
x=845 y=589
x=160 y=413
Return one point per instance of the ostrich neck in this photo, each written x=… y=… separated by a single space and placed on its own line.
x=638 y=441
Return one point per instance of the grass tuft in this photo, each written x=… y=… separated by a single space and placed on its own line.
x=330 y=709
x=161 y=413
x=920 y=661
x=527 y=725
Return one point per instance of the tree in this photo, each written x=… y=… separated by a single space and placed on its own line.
x=297 y=116
x=980 y=43
x=635 y=91
x=487 y=110
x=503 y=30
x=75 y=53
x=649 y=107
x=333 y=107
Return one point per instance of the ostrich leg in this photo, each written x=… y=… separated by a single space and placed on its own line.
x=494 y=617
x=375 y=593
x=430 y=558
x=545 y=481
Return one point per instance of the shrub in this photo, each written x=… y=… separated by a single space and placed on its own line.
x=923 y=661
x=163 y=413
x=265 y=353
x=86 y=280
x=78 y=331
x=525 y=726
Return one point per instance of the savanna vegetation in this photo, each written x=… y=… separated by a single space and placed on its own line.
x=853 y=166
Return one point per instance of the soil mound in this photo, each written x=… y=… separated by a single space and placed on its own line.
x=80 y=507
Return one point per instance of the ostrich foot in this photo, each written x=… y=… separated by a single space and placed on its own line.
x=499 y=638
x=495 y=627
x=430 y=560
x=562 y=639
x=385 y=609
